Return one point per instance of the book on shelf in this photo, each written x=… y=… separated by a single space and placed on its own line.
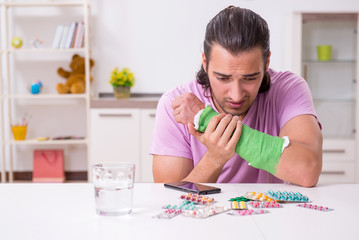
x=74 y=36
x=57 y=36
x=69 y=36
x=79 y=35
x=64 y=36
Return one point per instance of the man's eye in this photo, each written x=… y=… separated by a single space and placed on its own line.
x=250 y=79
x=222 y=78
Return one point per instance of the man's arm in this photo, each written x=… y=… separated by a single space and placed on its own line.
x=301 y=161
x=170 y=169
x=300 y=164
x=220 y=143
x=173 y=169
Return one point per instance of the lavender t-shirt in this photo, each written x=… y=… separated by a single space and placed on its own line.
x=288 y=96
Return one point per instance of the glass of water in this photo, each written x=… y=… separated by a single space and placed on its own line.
x=113 y=182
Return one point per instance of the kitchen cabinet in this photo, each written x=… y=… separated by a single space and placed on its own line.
x=122 y=135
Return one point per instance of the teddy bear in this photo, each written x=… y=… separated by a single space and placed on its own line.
x=75 y=79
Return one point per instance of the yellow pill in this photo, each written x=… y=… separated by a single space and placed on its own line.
x=259 y=194
x=242 y=205
x=234 y=205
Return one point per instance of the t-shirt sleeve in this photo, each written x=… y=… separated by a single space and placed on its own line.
x=169 y=138
x=295 y=98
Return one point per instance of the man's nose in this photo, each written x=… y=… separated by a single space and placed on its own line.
x=236 y=91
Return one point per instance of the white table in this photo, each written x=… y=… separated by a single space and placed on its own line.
x=67 y=211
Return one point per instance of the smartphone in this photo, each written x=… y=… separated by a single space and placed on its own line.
x=193 y=187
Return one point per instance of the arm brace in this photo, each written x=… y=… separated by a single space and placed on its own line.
x=261 y=150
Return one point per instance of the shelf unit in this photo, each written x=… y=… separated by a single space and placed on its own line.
x=10 y=98
x=333 y=85
x=2 y=139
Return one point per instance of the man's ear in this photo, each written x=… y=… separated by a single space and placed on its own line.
x=268 y=61
x=204 y=62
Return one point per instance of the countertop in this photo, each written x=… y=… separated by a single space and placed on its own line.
x=137 y=100
x=67 y=211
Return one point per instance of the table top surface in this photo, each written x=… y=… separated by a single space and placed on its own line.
x=67 y=211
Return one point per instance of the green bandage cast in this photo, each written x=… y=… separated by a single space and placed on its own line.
x=261 y=150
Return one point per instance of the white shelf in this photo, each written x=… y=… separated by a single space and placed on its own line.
x=337 y=100
x=344 y=61
x=46 y=50
x=12 y=100
x=45 y=4
x=48 y=142
x=47 y=96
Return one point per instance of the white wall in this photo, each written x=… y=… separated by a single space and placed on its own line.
x=161 y=40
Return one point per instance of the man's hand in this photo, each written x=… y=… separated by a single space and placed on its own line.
x=220 y=138
x=185 y=107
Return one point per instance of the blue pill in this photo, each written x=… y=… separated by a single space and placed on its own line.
x=304 y=199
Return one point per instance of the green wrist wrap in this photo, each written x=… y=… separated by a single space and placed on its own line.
x=261 y=150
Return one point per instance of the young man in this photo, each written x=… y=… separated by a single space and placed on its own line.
x=235 y=80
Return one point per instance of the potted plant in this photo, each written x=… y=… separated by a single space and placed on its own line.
x=122 y=81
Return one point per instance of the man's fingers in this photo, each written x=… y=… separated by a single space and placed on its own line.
x=176 y=111
x=193 y=131
x=224 y=125
x=236 y=134
x=175 y=103
x=228 y=126
x=212 y=125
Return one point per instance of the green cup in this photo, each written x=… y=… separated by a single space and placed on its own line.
x=324 y=52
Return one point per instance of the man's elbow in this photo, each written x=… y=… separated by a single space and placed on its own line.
x=311 y=174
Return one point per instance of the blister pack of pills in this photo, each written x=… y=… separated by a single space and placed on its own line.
x=238 y=205
x=246 y=212
x=284 y=196
x=205 y=212
x=257 y=196
x=239 y=199
x=185 y=205
x=271 y=204
x=169 y=213
x=196 y=198
x=314 y=207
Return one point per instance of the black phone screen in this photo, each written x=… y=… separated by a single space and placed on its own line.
x=193 y=187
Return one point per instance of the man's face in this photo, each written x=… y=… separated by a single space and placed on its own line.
x=235 y=79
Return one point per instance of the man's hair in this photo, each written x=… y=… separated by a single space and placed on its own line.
x=237 y=30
